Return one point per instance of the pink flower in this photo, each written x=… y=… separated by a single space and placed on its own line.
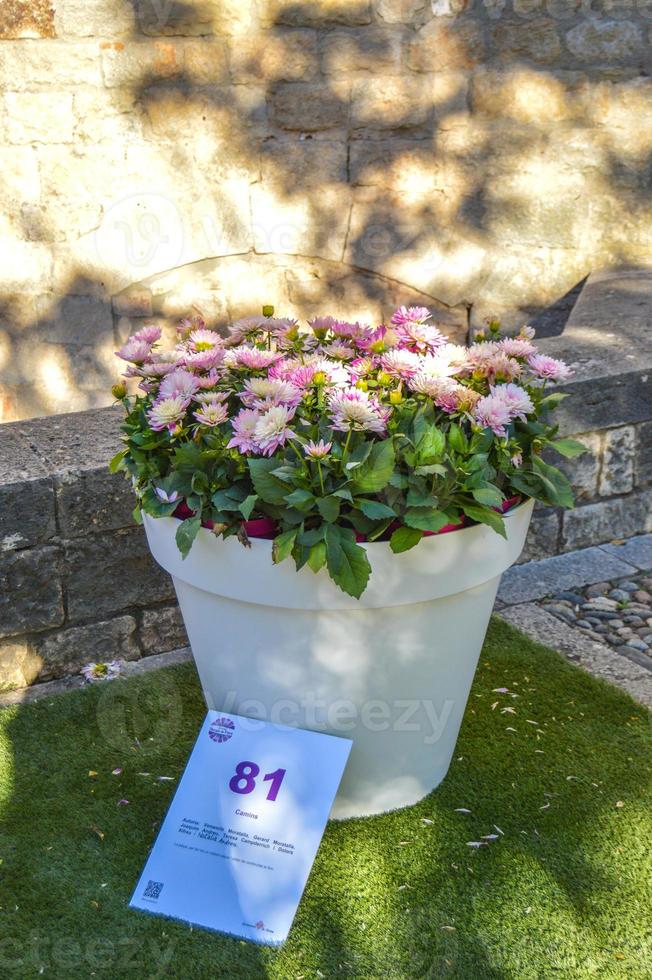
x=321 y=324
x=354 y=409
x=549 y=368
x=244 y=426
x=167 y=498
x=271 y=391
x=211 y=397
x=339 y=350
x=421 y=336
x=412 y=314
x=516 y=398
x=149 y=335
x=361 y=367
x=317 y=450
x=208 y=380
x=94 y=672
x=135 y=350
x=204 y=360
x=178 y=382
x=251 y=357
x=493 y=413
x=247 y=326
x=517 y=459
x=212 y=414
x=379 y=340
x=272 y=430
x=204 y=340
x=167 y=412
x=517 y=347
x=402 y=364
x=343 y=329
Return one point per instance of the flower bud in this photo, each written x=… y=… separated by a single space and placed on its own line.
x=362 y=385
x=119 y=390
x=537 y=446
x=319 y=378
x=268 y=311
x=395 y=397
x=384 y=378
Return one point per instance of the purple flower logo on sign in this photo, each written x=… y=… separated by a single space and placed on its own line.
x=221 y=730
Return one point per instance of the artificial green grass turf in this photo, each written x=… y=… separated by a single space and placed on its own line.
x=564 y=891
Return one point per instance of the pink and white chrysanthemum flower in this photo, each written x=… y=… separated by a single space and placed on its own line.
x=149 y=335
x=411 y=314
x=402 y=364
x=166 y=413
x=317 y=450
x=272 y=429
x=136 y=351
x=549 y=368
x=527 y=332
x=449 y=360
x=421 y=336
x=362 y=367
x=212 y=414
x=204 y=360
x=321 y=324
x=493 y=413
x=502 y=367
x=478 y=355
x=204 y=340
x=516 y=398
x=273 y=391
x=244 y=426
x=339 y=350
x=426 y=383
x=517 y=347
x=302 y=377
x=165 y=497
x=344 y=330
x=379 y=340
x=251 y=357
x=207 y=381
x=355 y=410
x=211 y=397
x=245 y=327
x=178 y=382
x=94 y=672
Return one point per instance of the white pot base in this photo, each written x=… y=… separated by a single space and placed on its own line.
x=392 y=676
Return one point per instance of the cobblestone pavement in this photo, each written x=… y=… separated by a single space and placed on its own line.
x=594 y=606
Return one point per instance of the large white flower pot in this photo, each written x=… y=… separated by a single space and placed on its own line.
x=392 y=671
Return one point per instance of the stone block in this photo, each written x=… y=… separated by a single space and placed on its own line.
x=644 y=455
x=110 y=573
x=74 y=442
x=30 y=591
x=20 y=664
x=601 y=522
x=400 y=11
x=136 y=300
x=285 y=57
x=308 y=107
x=24 y=265
x=134 y=63
x=617 y=474
x=637 y=551
x=21 y=182
x=534 y=580
x=26 y=495
x=375 y=49
x=177 y=17
x=582 y=471
x=605 y=41
x=95 y=18
x=67 y=651
x=305 y=224
x=536 y=40
x=205 y=62
x=394 y=102
x=39 y=117
x=621 y=400
x=32 y=65
x=543 y=535
x=318 y=13
x=442 y=46
x=107 y=116
x=27 y=18
x=297 y=165
x=93 y=500
x=74 y=320
x=523 y=95
x=162 y=630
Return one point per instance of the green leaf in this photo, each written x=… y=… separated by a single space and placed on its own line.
x=457 y=440
x=551 y=401
x=431 y=445
x=430 y=469
x=488 y=495
x=329 y=508
x=569 y=447
x=374 y=509
x=187 y=458
x=485 y=515
x=317 y=557
x=137 y=514
x=247 y=505
x=283 y=544
x=300 y=498
x=222 y=501
x=312 y=536
x=347 y=562
x=425 y=518
x=374 y=474
x=558 y=487
x=268 y=487
x=343 y=494
x=186 y=534
x=358 y=455
x=115 y=464
x=404 y=538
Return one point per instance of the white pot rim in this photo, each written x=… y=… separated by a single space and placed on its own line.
x=438 y=566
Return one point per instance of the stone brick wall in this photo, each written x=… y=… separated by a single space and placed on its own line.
x=476 y=155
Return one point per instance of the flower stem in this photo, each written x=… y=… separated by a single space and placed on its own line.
x=345 y=451
x=321 y=478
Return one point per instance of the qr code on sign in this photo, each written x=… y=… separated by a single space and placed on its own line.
x=153 y=890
